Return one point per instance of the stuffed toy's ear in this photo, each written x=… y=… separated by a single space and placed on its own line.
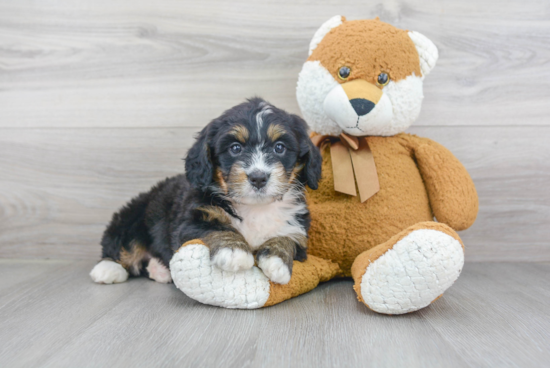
x=324 y=29
x=427 y=52
x=309 y=155
x=198 y=167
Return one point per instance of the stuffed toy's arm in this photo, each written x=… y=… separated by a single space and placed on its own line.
x=451 y=191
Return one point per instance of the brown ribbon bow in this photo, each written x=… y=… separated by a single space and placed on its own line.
x=352 y=161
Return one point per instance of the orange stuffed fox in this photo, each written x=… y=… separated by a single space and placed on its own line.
x=373 y=214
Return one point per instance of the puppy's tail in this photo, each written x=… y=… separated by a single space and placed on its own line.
x=126 y=238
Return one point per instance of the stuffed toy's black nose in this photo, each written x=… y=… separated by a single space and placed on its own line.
x=258 y=179
x=362 y=106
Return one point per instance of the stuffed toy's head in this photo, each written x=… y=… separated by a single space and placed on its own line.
x=364 y=77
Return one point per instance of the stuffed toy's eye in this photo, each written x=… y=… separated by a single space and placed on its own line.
x=344 y=72
x=279 y=148
x=383 y=79
x=235 y=149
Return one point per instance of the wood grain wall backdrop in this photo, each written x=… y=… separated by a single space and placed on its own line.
x=100 y=99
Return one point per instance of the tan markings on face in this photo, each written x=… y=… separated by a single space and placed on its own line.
x=132 y=259
x=240 y=133
x=278 y=184
x=279 y=179
x=368 y=48
x=275 y=131
x=295 y=172
x=221 y=181
x=279 y=173
x=237 y=175
x=214 y=214
x=237 y=180
x=218 y=240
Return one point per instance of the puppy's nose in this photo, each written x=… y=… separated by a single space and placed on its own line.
x=258 y=179
x=362 y=106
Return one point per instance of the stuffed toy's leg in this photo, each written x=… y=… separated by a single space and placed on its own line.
x=204 y=282
x=410 y=270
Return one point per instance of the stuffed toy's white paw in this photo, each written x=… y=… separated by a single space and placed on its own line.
x=413 y=273
x=194 y=274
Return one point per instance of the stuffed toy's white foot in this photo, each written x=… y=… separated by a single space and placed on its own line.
x=195 y=275
x=413 y=273
x=158 y=272
x=108 y=272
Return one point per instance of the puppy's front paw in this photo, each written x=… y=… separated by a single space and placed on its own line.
x=233 y=259
x=275 y=269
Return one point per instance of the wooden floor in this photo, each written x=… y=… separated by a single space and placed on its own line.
x=51 y=314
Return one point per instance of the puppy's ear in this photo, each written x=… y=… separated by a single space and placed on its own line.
x=198 y=166
x=313 y=164
x=309 y=155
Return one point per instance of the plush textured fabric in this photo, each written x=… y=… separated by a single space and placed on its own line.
x=305 y=277
x=427 y=52
x=391 y=49
x=452 y=192
x=368 y=48
x=193 y=273
x=323 y=30
x=445 y=260
x=414 y=272
x=342 y=227
x=400 y=259
x=345 y=232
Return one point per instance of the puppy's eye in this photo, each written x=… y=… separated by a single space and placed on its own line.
x=383 y=79
x=279 y=148
x=235 y=149
x=344 y=72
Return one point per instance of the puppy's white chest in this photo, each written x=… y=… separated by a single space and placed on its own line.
x=263 y=222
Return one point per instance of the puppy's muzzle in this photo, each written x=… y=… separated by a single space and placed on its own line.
x=258 y=179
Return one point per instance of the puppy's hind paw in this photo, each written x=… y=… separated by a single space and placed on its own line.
x=108 y=272
x=158 y=272
x=275 y=269
x=233 y=260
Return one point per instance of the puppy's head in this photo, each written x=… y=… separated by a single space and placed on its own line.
x=253 y=153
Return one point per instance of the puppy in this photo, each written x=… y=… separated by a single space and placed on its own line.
x=242 y=195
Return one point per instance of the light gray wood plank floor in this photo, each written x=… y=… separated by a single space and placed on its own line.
x=52 y=315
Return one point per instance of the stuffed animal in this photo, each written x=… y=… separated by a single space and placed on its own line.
x=373 y=213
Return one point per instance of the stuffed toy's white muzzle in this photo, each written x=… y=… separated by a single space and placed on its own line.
x=358 y=107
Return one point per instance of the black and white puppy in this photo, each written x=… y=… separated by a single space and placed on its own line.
x=242 y=195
